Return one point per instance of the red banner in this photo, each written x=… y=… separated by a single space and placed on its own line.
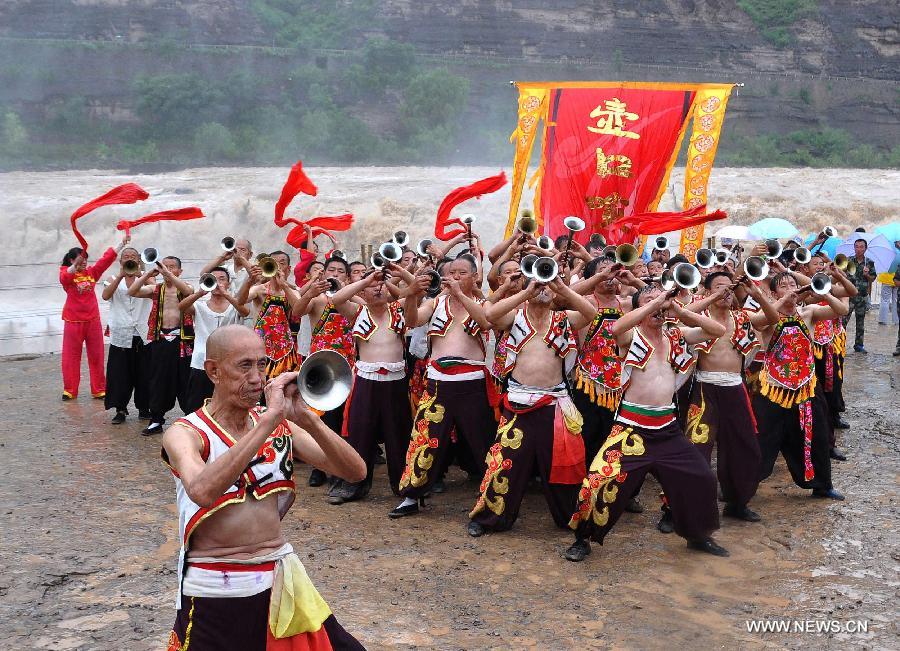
x=607 y=151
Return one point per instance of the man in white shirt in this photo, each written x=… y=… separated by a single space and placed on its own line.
x=127 y=365
x=237 y=263
x=219 y=310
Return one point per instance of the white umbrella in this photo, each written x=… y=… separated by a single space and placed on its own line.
x=880 y=250
x=735 y=232
x=773 y=228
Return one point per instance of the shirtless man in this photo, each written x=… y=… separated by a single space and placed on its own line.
x=455 y=395
x=170 y=336
x=540 y=353
x=227 y=458
x=718 y=411
x=790 y=420
x=646 y=436
x=377 y=409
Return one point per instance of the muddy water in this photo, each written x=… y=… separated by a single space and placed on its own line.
x=35 y=209
x=89 y=546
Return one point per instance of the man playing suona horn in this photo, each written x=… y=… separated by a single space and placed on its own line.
x=241 y=586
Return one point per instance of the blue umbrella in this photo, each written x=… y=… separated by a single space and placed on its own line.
x=890 y=231
x=773 y=228
x=830 y=246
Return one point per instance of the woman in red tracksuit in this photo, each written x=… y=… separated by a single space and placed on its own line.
x=81 y=315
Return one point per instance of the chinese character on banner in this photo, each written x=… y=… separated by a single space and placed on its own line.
x=607 y=151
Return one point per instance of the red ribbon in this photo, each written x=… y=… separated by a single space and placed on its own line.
x=654 y=223
x=296 y=183
x=123 y=194
x=456 y=197
x=179 y=214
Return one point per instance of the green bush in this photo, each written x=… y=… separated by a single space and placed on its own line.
x=177 y=103
x=214 y=142
x=774 y=18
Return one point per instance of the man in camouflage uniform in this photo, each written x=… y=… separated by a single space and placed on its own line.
x=862 y=278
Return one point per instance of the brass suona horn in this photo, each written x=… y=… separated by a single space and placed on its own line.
x=337 y=253
x=131 y=267
x=401 y=238
x=324 y=380
x=544 y=242
x=422 y=248
x=545 y=270
x=149 y=255
x=228 y=243
x=686 y=275
x=841 y=261
x=626 y=255
x=756 y=268
x=468 y=220
x=820 y=283
x=378 y=260
x=526 y=266
x=661 y=243
x=208 y=282
x=610 y=251
x=333 y=285
x=269 y=266
x=527 y=223
x=829 y=231
x=666 y=281
x=802 y=255
x=434 y=284
x=773 y=249
x=596 y=240
x=705 y=258
x=390 y=251
x=722 y=256
x=573 y=225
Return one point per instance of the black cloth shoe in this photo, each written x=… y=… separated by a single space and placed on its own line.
x=151 y=429
x=837 y=455
x=707 y=545
x=403 y=511
x=66 y=397
x=334 y=493
x=578 y=550
x=740 y=513
x=665 y=524
x=119 y=418
x=840 y=423
x=475 y=529
x=830 y=493
x=633 y=506
x=317 y=478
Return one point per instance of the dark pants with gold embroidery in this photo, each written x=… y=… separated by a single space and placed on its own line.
x=523 y=441
x=780 y=430
x=721 y=416
x=833 y=398
x=379 y=411
x=443 y=406
x=627 y=455
x=598 y=421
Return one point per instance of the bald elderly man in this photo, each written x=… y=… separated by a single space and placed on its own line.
x=241 y=586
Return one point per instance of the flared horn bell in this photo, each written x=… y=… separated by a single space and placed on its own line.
x=526 y=266
x=596 y=240
x=228 y=243
x=756 y=268
x=545 y=270
x=574 y=224
x=686 y=275
x=149 y=255
x=661 y=243
x=626 y=255
x=390 y=251
x=722 y=256
x=773 y=249
x=269 y=267
x=820 y=283
x=666 y=281
x=841 y=261
x=434 y=284
x=610 y=251
x=527 y=225
x=338 y=254
x=544 y=242
x=324 y=380
x=705 y=258
x=131 y=267
x=802 y=255
x=378 y=260
x=208 y=282
x=333 y=285
x=422 y=247
x=401 y=238
x=468 y=220
x=829 y=231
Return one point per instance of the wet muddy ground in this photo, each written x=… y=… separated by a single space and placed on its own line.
x=89 y=544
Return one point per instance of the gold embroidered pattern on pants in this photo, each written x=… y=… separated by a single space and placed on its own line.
x=418 y=456
x=695 y=429
x=508 y=436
